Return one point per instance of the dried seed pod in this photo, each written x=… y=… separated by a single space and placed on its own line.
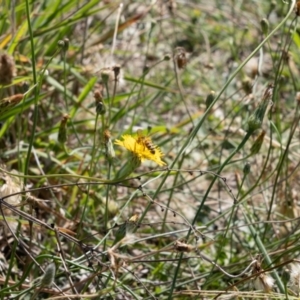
x=180 y=57
x=110 y=152
x=62 y=132
x=183 y=247
x=247 y=85
x=116 y=69
x=11 y=101
x=98 y=94
x=286 y=56
x=100 y=106
x=256 y=119
x=107 y=135
x=247 y=168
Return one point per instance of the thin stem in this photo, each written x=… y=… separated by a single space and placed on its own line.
x=36 y=93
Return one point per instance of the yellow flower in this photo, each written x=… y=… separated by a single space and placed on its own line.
x=142 y=147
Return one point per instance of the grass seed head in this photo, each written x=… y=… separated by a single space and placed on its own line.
x=209 y=99
x=264 y=26
x=113 y=208
x=48 y=276
x=286 y=56
x=7 y=69
x=252 y=68
x=100 y=108
x=107 y=135
x=64 y=44
x=107 y=74
x=110 y=152
x=258 y=143
x=9 y=102
x=247 y=168
x=62 y=132
x=167 y=57
x=98 y=94
x=247 y=85
x=256 y=119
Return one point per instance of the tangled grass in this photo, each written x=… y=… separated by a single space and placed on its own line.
x=205 y=97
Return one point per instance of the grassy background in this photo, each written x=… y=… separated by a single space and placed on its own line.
x=223 y=216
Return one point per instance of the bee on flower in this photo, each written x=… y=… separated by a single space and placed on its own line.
x=142 y=148
x=145 y=141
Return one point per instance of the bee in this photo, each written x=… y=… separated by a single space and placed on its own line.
x=146 y=141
